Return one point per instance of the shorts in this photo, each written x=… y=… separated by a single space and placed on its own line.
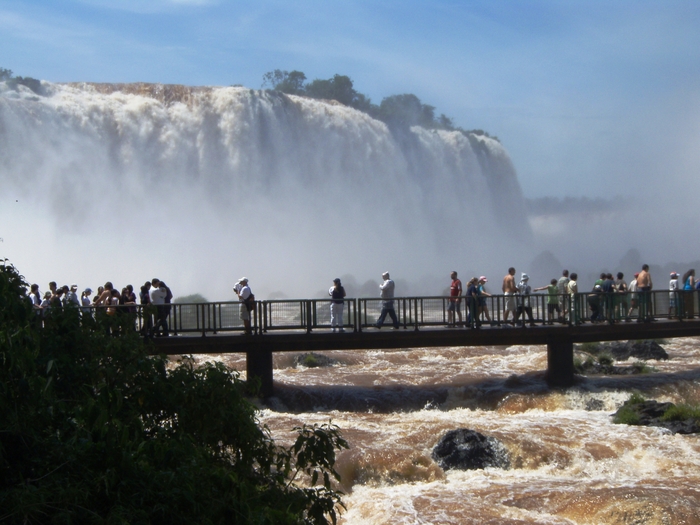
x=243 y=312
x=454 y=307
x=509 y=302
x=552 y=307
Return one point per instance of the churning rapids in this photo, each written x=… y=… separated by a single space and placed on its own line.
x=570 y=463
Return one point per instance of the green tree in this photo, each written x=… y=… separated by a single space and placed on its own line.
x=291 y=83
x=95 y=430
x=5 y=74
x=405 y=111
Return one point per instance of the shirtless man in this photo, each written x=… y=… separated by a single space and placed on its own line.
x=644 y=286
x=509 y=290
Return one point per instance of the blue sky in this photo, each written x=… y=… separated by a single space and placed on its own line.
x=592 y=98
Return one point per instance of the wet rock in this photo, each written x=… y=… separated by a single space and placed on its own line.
x=313 y=360
x=466 y=449
x=649 y=413
x=622 y=350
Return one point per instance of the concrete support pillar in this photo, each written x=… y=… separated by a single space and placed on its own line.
x=259 y=365
x=560 y=363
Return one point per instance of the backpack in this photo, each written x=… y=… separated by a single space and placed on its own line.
x=250 y=302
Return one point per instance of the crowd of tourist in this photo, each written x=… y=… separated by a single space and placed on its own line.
x=111 y=302
x=610 y=299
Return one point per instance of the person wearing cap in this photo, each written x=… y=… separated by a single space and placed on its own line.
x=455 y=304
x=71 y=297
x=386 y=292
x=483 y=294
x=673 y=295
x=524 y=307
x=244 y=293
x=337 y=292
x=85 y=301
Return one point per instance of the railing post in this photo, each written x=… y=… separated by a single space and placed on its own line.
x=308 y=316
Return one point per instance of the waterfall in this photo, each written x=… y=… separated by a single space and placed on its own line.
x=203 y=184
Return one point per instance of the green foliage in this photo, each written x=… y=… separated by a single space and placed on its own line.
x=605 y=359
x=635 y=399
x=291 y=83
x=627 y=415
x=5 y=74
x=397 y=111
x=310 y=361
x=188 y=299
x=590 y=348
x=681 y=412
x=640 y=367
x=94 y=430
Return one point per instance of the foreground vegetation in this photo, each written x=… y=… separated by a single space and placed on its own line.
x=93 y=430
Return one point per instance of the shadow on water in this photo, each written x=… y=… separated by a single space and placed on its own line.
x=484 y=394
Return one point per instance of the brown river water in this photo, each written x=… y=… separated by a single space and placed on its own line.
x=570 y=463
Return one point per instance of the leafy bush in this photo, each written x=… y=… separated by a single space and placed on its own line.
x=681 y=412
x=94 y=430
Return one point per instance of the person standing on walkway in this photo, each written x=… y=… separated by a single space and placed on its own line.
x=455 y=304
x=483 y=294
x=244 y=296
x=552 y=300
x=158 y=295
x=688 y=294
x=509 y=290
x=563 y=294
x=524 y=290
x=644 y=286
x=337 y=292
x=673 y=296
x=386 y=292
x=574 y=307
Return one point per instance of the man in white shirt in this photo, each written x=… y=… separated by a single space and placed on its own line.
x=158 y=294
x=387 y=294
x=243 y=292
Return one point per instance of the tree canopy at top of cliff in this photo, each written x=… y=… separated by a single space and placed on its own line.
x=397 y=111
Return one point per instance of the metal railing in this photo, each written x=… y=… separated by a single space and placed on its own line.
x=412 y=312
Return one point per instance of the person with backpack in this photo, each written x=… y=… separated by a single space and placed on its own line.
x=337 y=292
x=247 y=300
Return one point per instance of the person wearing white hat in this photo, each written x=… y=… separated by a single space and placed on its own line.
x=524 y=307
x=387 y=294
x=244 y=296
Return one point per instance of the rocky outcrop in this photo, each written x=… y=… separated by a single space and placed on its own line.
x=466 y=449
x=650 y=413
x=644 y=350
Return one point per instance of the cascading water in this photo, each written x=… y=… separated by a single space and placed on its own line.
x=210 y=183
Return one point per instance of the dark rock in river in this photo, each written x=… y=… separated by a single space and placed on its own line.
x=466 y=449
x=313 y=360
x=650 y=414
x=640 y=349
